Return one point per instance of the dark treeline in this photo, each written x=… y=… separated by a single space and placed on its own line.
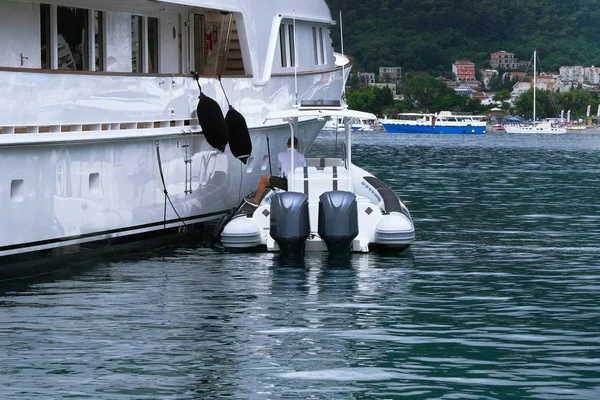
x=430 y=35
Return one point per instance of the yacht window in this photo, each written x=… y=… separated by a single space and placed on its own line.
x=322 y=46
x=72 y=36
x=292 y=46
x=144 y=44
x=318 y=45
x=46 y=56
x=137 y=42
x=315 y=48
x=99 y=39
x=287 y=45
x=153 y=36
x=282 y=46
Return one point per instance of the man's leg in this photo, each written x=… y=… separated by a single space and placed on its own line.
x=262 y=185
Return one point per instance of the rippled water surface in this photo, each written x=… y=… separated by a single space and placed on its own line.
x=499 y=298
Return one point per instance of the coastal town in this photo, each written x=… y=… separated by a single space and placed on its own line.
x=469 y=82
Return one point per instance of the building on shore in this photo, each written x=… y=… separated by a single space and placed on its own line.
x=464 y=71
x=486 y=76
x=507 y=61
x=391 y=86
x=390 y=74
x=366 y=77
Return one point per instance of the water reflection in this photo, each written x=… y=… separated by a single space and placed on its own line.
x=499 y=298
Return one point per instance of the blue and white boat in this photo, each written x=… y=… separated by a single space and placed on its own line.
x=443 y=122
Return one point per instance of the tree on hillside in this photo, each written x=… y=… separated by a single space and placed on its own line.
x=360 y=99
x=549 y=104
x=426 y=93
x=370 y=99
x=577 y=101
x=429 y=35
x=497 y=83
x=545 y=104
x=383 y=99
x=502 y=95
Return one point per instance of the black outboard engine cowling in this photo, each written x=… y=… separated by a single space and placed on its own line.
x=290 y=225
x=338 y=220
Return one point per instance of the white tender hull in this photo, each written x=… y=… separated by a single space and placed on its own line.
x=377 y=228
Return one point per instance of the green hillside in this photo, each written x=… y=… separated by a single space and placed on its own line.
x=429 y=35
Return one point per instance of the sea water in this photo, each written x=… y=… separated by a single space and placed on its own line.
x=499 y=297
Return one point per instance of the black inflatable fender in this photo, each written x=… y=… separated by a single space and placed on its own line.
x=240 y=143
x=210 y=118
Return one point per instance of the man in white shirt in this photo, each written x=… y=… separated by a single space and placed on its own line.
x=284 y=161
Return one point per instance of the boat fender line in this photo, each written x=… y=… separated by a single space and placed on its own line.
x=167 y=197
x=391 y=202
x=210 y=118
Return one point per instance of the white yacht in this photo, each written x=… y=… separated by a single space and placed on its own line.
x=104 y=144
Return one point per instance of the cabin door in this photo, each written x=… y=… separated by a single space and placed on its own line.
x=20 y=34
x=202 y=43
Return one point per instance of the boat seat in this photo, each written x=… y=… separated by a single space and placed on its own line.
x=324 y=162
x=313 y=181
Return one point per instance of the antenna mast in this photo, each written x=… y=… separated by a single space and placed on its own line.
x=343 y=66
x=534 y=88
x=295 y=62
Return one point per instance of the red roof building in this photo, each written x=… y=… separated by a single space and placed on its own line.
x=464 y=71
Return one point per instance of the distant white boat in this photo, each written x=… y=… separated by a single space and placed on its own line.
x=535 y=126
x=538 y=127
x=337 y=124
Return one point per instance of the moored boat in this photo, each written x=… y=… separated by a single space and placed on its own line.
x=104 y=142
x=547 y=127
x=330 y=205
x=361 y=125
x=440 y=123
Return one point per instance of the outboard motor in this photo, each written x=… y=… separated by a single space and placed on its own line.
x=338 y=220
x=290 y=225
